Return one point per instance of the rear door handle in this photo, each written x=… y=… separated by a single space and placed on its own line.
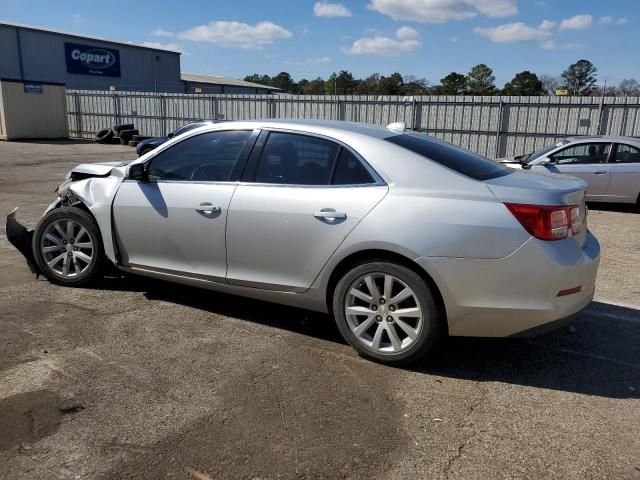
x=599 y=172
x=330 y=214
x=207 y=208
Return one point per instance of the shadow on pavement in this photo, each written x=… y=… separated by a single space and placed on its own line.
x=615 y=207
x=597 y=354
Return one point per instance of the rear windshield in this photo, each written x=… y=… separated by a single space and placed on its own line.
x=462 y=161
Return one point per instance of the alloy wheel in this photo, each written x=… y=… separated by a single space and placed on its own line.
x=383 y=312
x=67 y=248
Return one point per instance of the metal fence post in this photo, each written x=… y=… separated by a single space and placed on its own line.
x=163 y=114
x=499 y=130
x=600 y=110
x=116 y=108
x=78 y=115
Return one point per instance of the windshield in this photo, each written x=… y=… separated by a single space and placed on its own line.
x=462 y=161
x=543 y=151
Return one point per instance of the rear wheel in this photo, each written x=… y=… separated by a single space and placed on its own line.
x=68 y=248
x=387 y=312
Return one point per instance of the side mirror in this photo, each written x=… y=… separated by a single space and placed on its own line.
x=170 y=135
x=545 y=161
x=138 y=172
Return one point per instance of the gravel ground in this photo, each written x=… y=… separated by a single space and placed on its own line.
x=137 y=378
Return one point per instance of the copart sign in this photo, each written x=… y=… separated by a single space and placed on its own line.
x=89 y=60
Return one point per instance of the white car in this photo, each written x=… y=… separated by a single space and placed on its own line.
x=610 y=165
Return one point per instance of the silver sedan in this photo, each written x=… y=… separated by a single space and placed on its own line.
x=610 y=165
x=401 y=237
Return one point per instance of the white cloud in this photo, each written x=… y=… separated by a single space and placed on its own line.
x=407 y=33
x=322 y=9
x=236 y=34
x=605 y=20
x=622 y=21
x=310 y=61
x=516 y=32
x=406 y=40
x=551 y=45
x=176 y=47
x=578 y=22
x=439 y=11
x=161 y=32
x=547 y=25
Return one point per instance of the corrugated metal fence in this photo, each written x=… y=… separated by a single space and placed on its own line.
x=491 y=126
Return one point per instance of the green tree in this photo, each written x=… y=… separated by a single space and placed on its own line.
x=452 y=84
x=391 y=85
x=524 y=83
x=415 y=86
x=480 y=80
x=261 y=79
x=549 y=84
x=368 y=85
x=580 y=78
x=341 y=83
x=311 y=87
x=284 y=82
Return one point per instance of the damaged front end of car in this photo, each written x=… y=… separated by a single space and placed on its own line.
x=90 y=186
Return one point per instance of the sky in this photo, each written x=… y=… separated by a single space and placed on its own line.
x=425 y=38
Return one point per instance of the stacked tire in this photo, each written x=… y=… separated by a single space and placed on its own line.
x=124 y=134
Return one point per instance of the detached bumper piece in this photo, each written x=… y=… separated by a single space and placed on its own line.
x=21 y=238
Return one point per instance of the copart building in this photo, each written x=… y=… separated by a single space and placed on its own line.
x=32 y=54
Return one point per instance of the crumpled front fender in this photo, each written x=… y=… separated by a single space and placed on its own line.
x=97 y=194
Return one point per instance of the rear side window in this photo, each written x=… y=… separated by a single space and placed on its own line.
x=296 y=160
x=462 y=161
x=626 y=154
x=350 y=170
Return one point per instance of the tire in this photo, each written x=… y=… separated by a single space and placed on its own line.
x=126 y=135
x=123 y=141
x=80 y=271
x=139 y=138
x=133 y=143
x=104 y=136
x=124 y=126
x=426 y=329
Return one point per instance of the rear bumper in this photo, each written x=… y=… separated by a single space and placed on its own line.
x=507 y=296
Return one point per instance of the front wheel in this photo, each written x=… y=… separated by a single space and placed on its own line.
x=68 y=247
x=387 y=312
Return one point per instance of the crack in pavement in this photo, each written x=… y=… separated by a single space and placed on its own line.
x=465 y=426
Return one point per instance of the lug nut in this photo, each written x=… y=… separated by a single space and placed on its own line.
x=382 y=301
x=75 y=248
x=374 y=307
x=392 y=308
x=378 y=318
x=389 y=318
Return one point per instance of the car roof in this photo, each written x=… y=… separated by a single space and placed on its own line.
x=328 y=127
x=608 y=138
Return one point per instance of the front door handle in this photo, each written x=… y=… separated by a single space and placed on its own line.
x=599 y=172
x=330 y=214
x=207 y=208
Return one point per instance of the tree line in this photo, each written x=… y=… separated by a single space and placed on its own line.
x=579 y=78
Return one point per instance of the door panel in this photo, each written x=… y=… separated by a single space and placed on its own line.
x=178 y=226
x=587 y=161
x=625 y=175
x=280 y=237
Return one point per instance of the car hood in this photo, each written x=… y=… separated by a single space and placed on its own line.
x=98 y=169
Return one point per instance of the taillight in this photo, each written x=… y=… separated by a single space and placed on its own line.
x=547 y=222
x=575 y=219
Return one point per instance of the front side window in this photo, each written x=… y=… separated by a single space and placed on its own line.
x=207 y=157
x=294 y=159
x=626 y=154
x=583 y=153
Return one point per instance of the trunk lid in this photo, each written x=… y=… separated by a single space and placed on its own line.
x=541 y=188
